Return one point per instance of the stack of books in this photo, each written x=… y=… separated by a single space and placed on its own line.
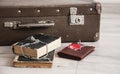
x=36 y=51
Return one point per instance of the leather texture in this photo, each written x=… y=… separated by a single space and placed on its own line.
x=60 y=14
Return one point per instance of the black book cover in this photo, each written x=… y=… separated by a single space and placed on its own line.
x=45 y=58
x=37 y=41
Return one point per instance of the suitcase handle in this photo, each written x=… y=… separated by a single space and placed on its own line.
x=18 y=24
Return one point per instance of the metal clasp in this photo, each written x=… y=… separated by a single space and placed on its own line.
x=12 y=24
x=74 y=18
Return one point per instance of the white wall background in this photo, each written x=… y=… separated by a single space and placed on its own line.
x=108 y=1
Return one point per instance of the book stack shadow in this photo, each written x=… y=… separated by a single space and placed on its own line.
x=36 y=51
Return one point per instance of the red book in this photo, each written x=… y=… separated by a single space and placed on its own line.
x=75 y=51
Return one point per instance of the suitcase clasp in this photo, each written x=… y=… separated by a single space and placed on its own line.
x=74 y=18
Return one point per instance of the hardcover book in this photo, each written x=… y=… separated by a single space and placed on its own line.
x=75 y=51
x=37 y=45
x=43 y=62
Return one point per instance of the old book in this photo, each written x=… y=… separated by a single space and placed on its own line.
x=43 y=62
x=75 y=51
x=37 y=45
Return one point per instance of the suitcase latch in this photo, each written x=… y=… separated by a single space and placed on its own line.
x=74 y=18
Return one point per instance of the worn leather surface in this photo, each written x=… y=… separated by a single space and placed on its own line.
x=47 y=11
x=69 y=33
x=76 y=55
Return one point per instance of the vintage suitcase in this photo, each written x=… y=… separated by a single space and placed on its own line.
x=73 y=20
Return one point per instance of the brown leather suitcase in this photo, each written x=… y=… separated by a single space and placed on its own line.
x=73 y=20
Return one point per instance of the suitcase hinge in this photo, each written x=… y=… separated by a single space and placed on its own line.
x=98 y=7
x=96 y=36
x=74 y=18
